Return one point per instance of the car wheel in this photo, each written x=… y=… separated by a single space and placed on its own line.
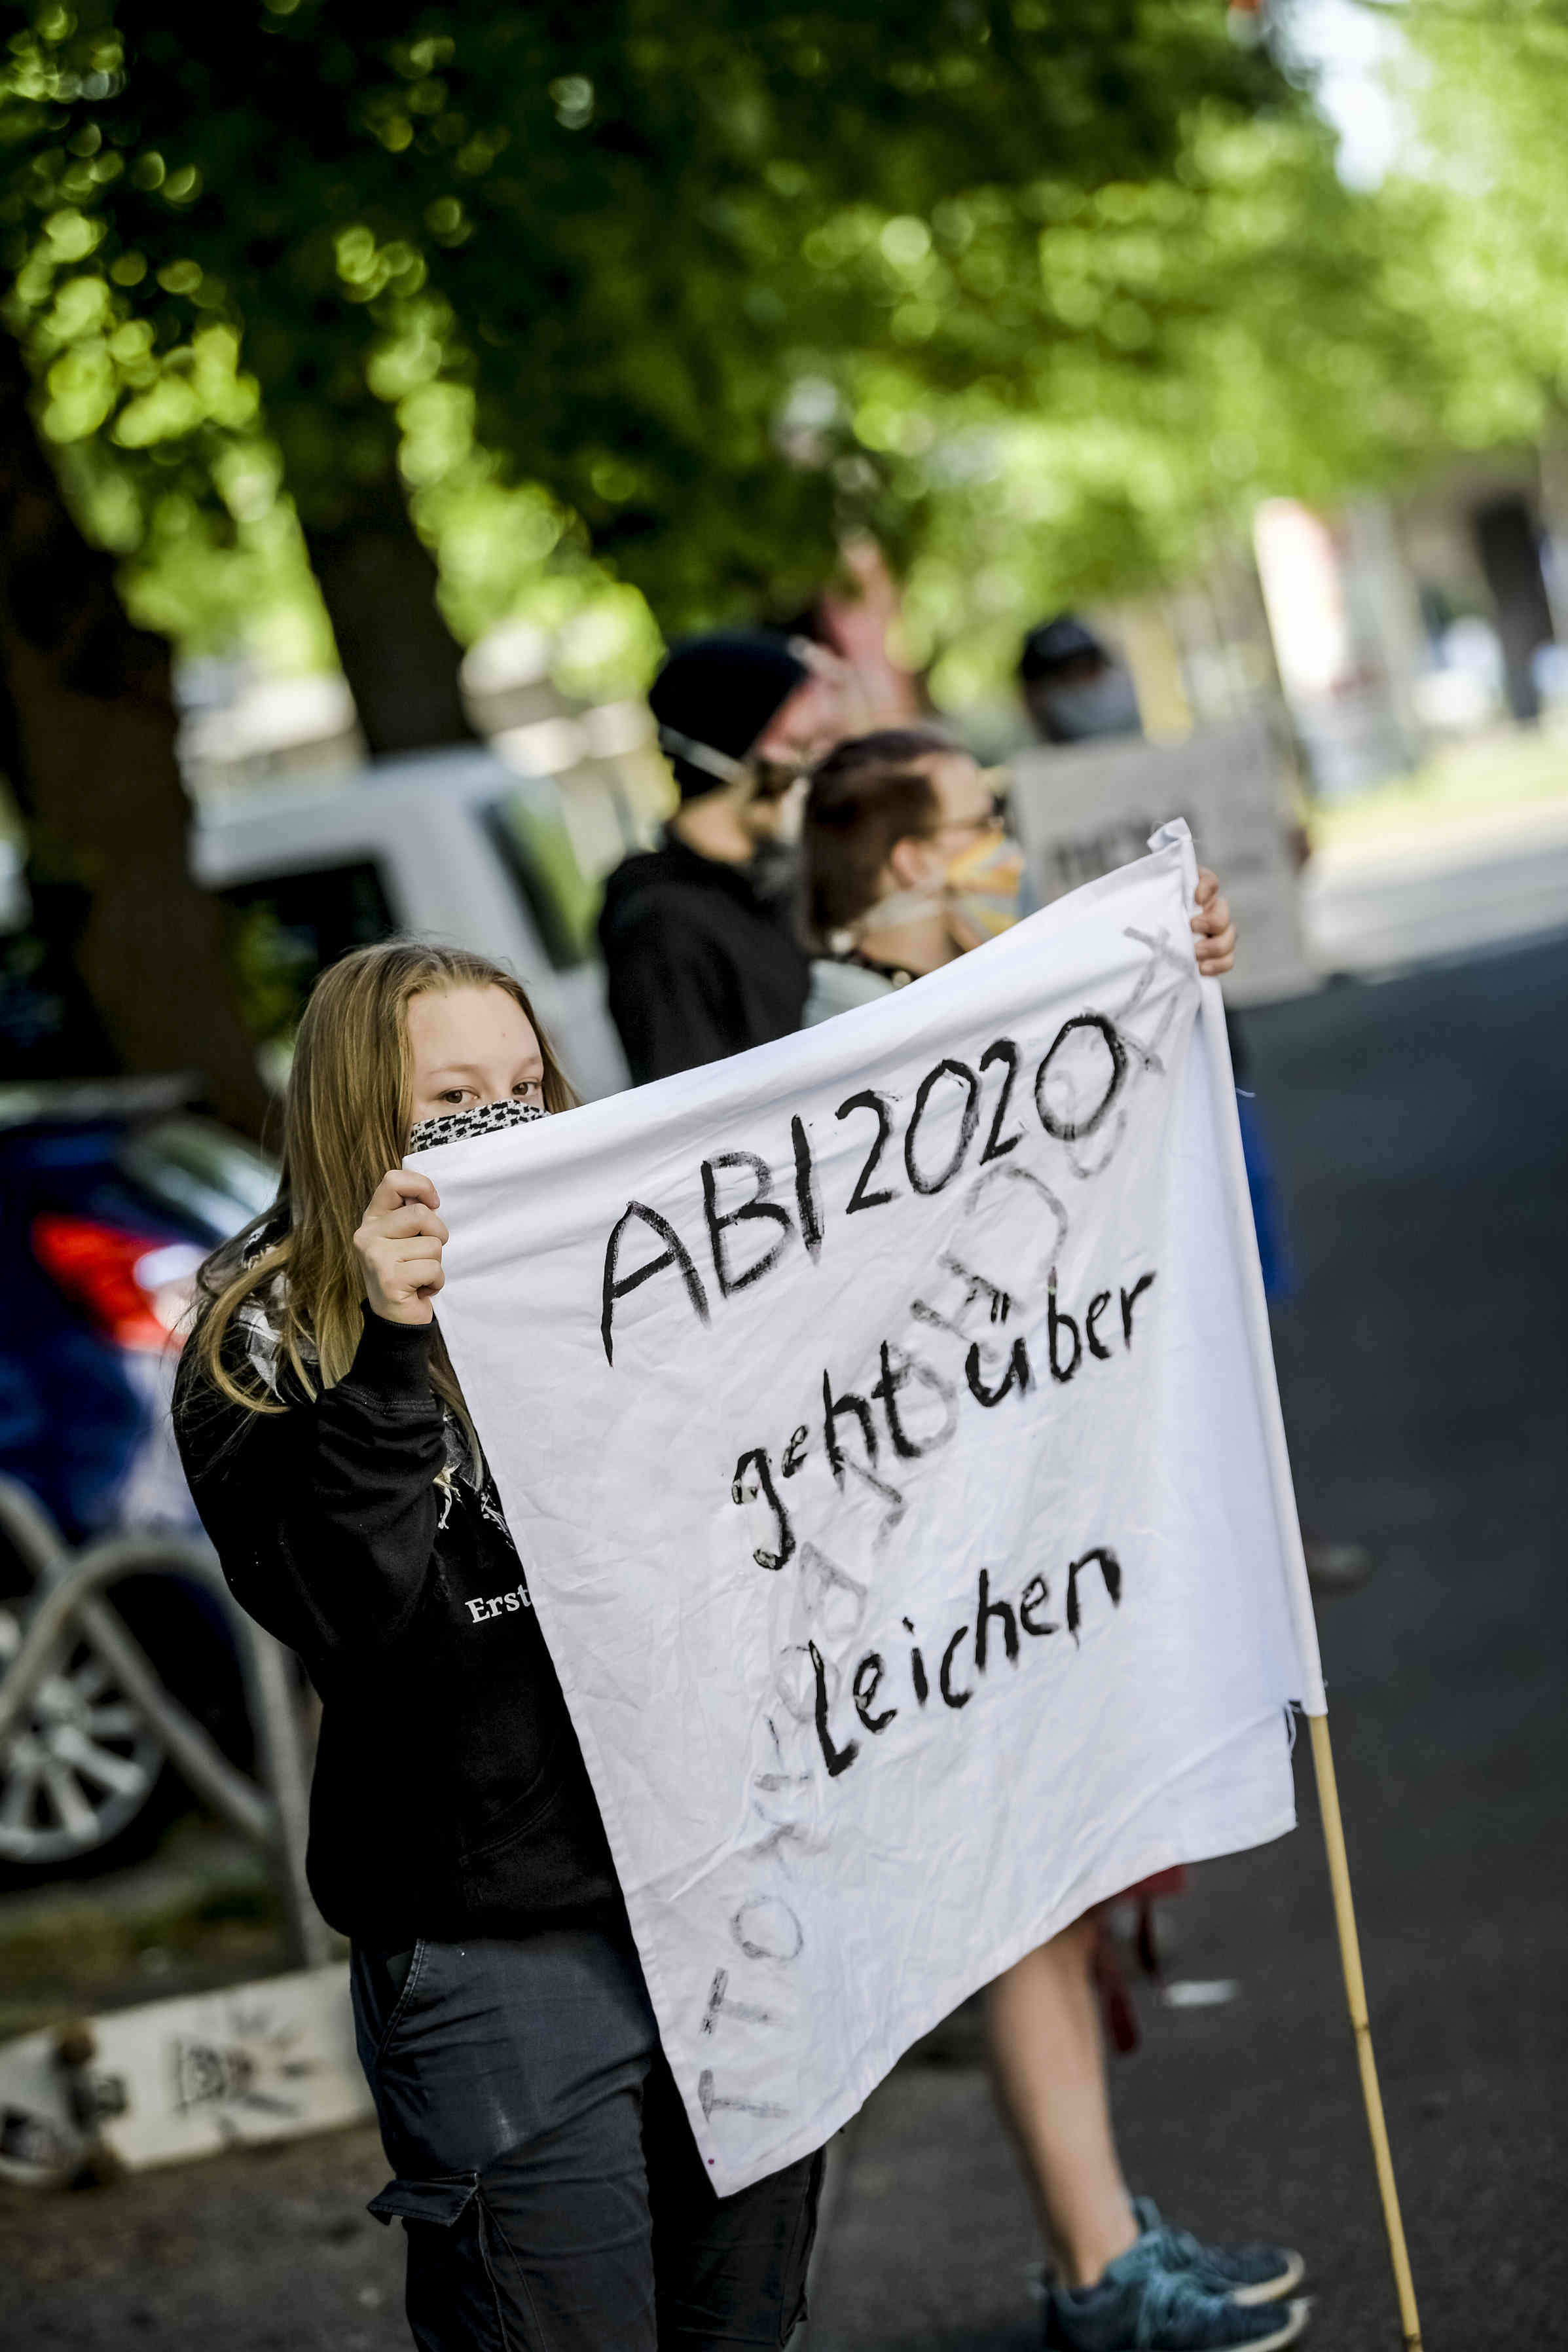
x=78 y=1774
x=83 y=1750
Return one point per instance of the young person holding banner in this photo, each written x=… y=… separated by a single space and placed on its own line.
x=907 y=867
x=545 y=2175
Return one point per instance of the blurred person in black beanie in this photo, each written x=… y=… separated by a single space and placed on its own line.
x=701 y=938
x=1075 y=690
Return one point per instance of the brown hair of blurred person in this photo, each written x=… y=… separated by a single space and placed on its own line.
x=867 y=796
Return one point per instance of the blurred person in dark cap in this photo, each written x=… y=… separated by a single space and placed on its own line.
x=700 y=936
x=1073 y=687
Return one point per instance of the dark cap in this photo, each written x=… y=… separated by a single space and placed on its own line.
x=1054 y=644
x=715 y=696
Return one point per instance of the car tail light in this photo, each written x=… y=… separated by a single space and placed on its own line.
x=135 y=1287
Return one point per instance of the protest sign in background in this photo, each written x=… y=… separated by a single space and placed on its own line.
x=1081 y=810
x=877 y=1421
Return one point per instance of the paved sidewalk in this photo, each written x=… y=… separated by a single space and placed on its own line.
x=269 y=2249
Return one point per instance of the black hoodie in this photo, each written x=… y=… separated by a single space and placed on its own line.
x=450 y=1797
x=703 y=959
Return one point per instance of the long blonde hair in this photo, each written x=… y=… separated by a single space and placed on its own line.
x=347 y=1110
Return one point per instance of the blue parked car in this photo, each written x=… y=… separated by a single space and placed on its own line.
x=112 y=1192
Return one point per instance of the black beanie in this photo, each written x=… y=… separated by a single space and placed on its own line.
x=1054 y=645
x=716 y=694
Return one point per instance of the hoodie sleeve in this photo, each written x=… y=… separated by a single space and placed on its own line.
x=672 y=996
x=324 y=1516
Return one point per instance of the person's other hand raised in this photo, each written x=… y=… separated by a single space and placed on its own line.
x=1214 y=930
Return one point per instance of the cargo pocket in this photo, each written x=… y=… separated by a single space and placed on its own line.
x=454 y=2299
x=444 y=2200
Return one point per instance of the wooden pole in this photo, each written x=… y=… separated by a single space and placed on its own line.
x=1315 y=1700
x=1355 y=1995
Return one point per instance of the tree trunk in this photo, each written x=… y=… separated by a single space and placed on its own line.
x=378 y=581
x=340 y=445
x=1508 y=541
x=91 y=759
x=376 y=577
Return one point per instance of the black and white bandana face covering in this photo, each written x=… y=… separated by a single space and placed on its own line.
x=454 y=1125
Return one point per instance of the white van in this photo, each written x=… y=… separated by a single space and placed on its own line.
x=453 y=845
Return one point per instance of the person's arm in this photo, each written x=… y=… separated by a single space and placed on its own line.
x=671 y=996
x=323 y=1516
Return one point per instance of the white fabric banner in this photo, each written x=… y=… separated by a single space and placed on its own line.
x=877 y=1421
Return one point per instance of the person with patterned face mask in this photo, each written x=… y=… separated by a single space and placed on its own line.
x=543 y=2167
x=908 y=863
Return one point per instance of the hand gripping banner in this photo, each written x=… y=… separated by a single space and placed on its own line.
x=878 y=1421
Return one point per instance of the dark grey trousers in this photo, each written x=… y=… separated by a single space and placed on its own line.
x=545 y=2176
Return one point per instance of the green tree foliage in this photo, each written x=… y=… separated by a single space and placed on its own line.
x=1476 y=213
x=1232 y=337
x=581 y=254
x=1046 y=297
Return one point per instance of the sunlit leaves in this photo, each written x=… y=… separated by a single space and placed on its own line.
x=1206 y=339
x=574 y=96
x=688 y=292
x=82 y=388
x=1482 y=190
x=622 y=306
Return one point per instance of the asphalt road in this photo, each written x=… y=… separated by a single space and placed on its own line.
x=1421 y=1128
x=1421 y=1131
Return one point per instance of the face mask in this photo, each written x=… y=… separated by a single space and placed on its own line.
x=774 y=779
x=978 y=897
x=774 y=874
x=891 y=914
x=454 y=1126
x=776 y=811
x=1106 y=705
x=789 y=808
x=982 y=893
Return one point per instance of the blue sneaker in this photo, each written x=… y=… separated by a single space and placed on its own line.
x=1138 y=2306
x=1249 y=2274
